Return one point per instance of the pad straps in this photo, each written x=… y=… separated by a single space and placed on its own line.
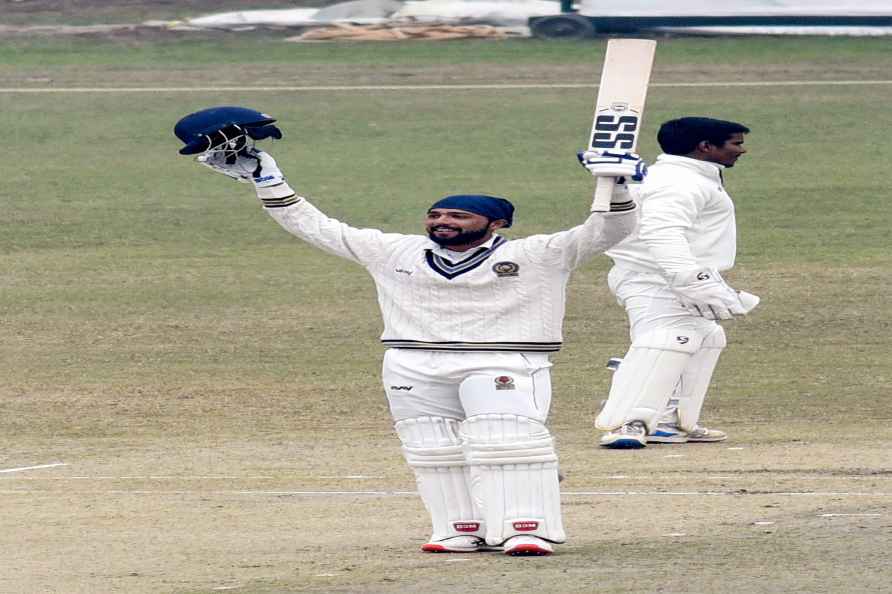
x=432 y=448
x=514 y=476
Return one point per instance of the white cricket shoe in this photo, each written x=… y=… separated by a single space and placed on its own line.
x=666 y=433
x=704 y=435
x=527 y=546
x=632 y=435
x=455 y=544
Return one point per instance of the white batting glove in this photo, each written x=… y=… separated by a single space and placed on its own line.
x=613 y=164
x=251 y=166
x=748 y=300
x=705 y=293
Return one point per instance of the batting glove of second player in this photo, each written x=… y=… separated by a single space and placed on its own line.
x=613 y=164
x=705 y=293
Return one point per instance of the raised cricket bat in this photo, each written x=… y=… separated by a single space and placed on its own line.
x=620 y=104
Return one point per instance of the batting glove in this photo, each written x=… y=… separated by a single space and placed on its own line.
x=613 y=164
x=705 y=294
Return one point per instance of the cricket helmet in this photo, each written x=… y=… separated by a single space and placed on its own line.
x=224 y=128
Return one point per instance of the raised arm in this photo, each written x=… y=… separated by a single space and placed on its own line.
x=602 y=230
x=295 y=214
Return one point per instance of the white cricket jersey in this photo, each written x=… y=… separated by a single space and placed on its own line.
x=686 y=220
x=502 y=296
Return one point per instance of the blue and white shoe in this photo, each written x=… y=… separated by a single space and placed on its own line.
x=666 y=433
x=630 y=436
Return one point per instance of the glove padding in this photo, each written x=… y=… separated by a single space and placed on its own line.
x=613 y=164
x=249 y=166
x=705 y=293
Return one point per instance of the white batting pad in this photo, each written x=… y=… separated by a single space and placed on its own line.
x=696 y=377
x=432 y=448
x=644 y=382
x=514 y=476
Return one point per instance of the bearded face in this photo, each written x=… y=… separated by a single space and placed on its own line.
x=449 y=227
x=446 y=235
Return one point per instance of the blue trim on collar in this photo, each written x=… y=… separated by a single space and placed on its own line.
x=450 y=269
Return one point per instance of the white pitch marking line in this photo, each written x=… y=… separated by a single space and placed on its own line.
x=39 y=466
x=137 y=478
x=731 y=493
x=850 y=515
x=415 y=493
x=470 y=87
x=185 y=478
x=669 y=476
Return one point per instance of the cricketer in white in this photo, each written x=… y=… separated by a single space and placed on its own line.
x=470 y=318
x=667 y=276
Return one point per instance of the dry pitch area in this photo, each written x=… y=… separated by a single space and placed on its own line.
x=164 y=426
x=763 y=513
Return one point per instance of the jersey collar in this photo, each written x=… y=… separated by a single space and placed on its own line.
x=707 y=168
x=443 y=266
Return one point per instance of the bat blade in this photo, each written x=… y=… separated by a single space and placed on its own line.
x=619 y=108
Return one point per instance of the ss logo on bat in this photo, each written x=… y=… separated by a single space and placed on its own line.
x=615 y=132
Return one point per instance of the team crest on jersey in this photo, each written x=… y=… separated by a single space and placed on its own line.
x=503 y=269
x=505 y=382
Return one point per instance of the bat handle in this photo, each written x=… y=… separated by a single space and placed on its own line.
x=603 y=193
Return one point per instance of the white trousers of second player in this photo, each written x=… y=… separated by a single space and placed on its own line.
x=472 y=425
x=672 y=356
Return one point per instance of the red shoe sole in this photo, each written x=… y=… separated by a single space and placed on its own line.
x=435 y=548
x=528 y=550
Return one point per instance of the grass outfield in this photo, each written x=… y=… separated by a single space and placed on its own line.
x=211 y=383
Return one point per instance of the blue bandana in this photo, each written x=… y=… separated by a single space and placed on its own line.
x=490 y=207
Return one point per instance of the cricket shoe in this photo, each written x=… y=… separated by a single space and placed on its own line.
x=456 y=544
x=666 y=433
x=527 y=546
x=628 y=437
x=704 y=435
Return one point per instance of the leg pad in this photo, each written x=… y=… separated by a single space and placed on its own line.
x=514 y=476
x=432 y=447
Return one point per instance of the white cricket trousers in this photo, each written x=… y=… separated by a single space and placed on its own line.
x=457 y=385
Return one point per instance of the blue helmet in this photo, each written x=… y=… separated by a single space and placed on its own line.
x=223 y=128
